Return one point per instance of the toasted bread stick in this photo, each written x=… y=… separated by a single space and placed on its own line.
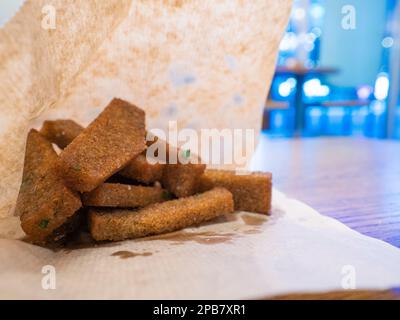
x=141 y=170
x=44 y=202
x=177 y=176
x=181 y=179
x=113 y=139
x=124 y=196
x=60 y=132
x=251 y=192
x=160 y=217
x=180 y=172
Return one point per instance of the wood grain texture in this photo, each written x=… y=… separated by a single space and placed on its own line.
x=343 y=295
x=354 y=180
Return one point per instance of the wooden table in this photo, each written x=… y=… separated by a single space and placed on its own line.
x=354 y=180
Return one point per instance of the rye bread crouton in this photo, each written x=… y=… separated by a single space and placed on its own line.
x=251 y=192
x=118 y=195
x=44 y=202
x=159 y=218
x=113 y=139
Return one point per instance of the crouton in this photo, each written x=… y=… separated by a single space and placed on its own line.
x=44 y=202
x=124 y=196
x=113 y=139
x=159 y=218
x=251 y=192
x=60 y=132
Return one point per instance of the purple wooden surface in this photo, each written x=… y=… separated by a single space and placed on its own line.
x=354 y=180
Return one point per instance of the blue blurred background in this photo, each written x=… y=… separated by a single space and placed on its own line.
x=338 y=71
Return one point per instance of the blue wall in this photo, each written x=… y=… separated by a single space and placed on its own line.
x=357 y=53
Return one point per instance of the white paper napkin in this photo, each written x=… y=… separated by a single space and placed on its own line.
x=241 y=256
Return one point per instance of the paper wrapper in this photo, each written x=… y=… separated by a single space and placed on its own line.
x=205 y=64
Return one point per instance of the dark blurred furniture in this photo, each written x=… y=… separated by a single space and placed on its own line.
x=348 y=106
x=300 y=74
x=270 y=106
x=341 y=103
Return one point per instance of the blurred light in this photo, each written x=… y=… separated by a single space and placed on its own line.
x=309 y=64
x=317 y=11
x=292 y=82
x=315 y=112
x=309 y=47
x=292 y=62
x=310 y=37
x=313 y=88
x=286 y=87
x=317 y=31
x=364 y=92
x=387 y=42
x=381 y=87
x=289 y=42
x=336 y=112
x=378 y=107
x=299 y=14
x=278 y=120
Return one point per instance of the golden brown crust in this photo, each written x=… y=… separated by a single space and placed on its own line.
x=123 y=196
x=181 y=179
x=180 y=175
x=251 y=192
x=113 y=139
x=60 y=132
x=44 y=202
x=141 y=170
x=160 y=217
x=63 y=132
